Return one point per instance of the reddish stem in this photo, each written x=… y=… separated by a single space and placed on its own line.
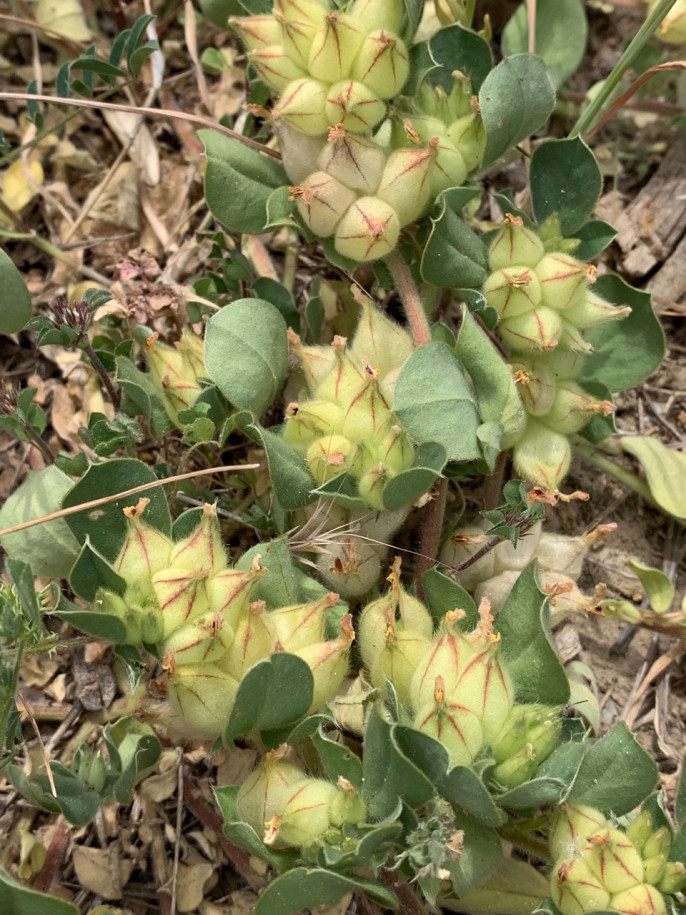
x=409 y=296
x=53 y=858
x=431 y=535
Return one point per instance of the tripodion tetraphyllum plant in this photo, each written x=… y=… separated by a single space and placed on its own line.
x=419 y=740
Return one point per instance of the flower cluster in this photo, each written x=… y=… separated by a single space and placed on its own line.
x=545 y=301
x=455 y=684
x=560 y=561
x=347 y=426
x=599 y=867
x=176 y=370
x=288 y=808
x=183 y=598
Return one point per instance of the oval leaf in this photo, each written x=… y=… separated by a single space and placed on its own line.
x=565 y=180
x=16 y=301
x=238 y=182
x=246 y=352
x=454 y=256
x=308 y=888
x=457 y=48
x=516 y=98
x=21 y=900
x=434 y=403
x=561 y=32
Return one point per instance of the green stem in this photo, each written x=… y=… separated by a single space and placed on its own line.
x=409 y=296
x=102 y=374
x=592 y=112
x=38 y=442
x=594 y=456
x=469 y=12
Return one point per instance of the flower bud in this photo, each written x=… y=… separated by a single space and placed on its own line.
x=405 y=182
x=350 y=567
x=537 y=387
x=468 y=136
x=398 y=660
x=309 y=420
x=513 y=291
x=517 y=764
x=303 y=817
x=639 y=900
x=347 y=806
x=302 y=624
x=321 y=201
x=316 y=362
x=517 y=557
x=573 y=407
x=654 y=868
x=312 y=11
x=205 y=640
x=276 y=67
x=673 y=878
x=379 y=14
x=97 y=773
x=173 y=373
x=256 y=32
x=204 y=548
x=299 y=154
x=202 y=694
x=612 y=856
x=353 y=160
x=673 y=27
x=563 y=280
x=620 y=610
x=181 y=595
x=266 y=789
x=448 y=169
x=658 y=843
x=335 y=47
x=380 y=341
x=328 y=662
x=329 y=456
x=394 y=451
x=455 y=725
x=298 y=36
x=371 y=486
x=345 y=380
x=145 y=549
x=447 y=658
x=536 y=330
x=572 y=824
x=254 y=640
x=228 y=592
x=591 y=310
x=562 y=552
x=572 y=339
x=640 y=829
x=576 y=889
x=368 y=230
x=461 y=546
x=302 y=106
x=496 y=589
x=373 y=624
x=352 y=105
x=515 y=246
x=542 y=456
x=382 y=63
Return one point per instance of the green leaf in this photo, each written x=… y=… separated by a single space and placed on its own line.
x=481 y=854
x=388 y=773
x=534 y=793
x=561 y=31
x=238 y=182
x=22 y=577
x=292 y=481
x=492 y=380
x=434 y=403
x=303 y=888
x=457 y=48
x=92 y=571
x=665 y=471
x=77 y=802
x=101 y=67
x=421 y=63
x=101 y=625
x=142 y=396
x=565 y=181
x=454 y=256
x=218 y=11
x=273 y=694
x=51 y=547
x=106 y=524
x=280 y=297
x=459 y=785
x=616 y=773
x=337 y=759
x=444 y=594
x=16 y=301
x=515 y=888
x=595 y=236
x=516 y=98
x=139 y=751
x=625 y=352
x=279 y=587
x=280 y=209
x=16 y=899
x=658 y=586
x=430 y=458
x=246 y=352
x=414 y=10
x=527 y=646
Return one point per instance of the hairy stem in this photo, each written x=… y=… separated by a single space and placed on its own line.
x=431 y=535
x=409 y=296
